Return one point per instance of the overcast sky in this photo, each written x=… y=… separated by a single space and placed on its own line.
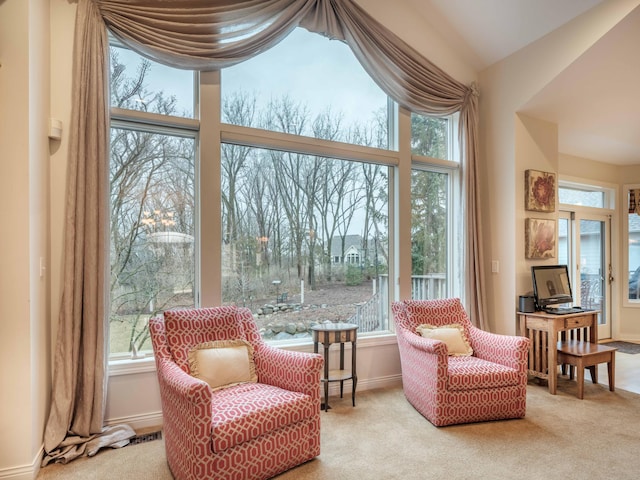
x=311 y=69
x=308 y=67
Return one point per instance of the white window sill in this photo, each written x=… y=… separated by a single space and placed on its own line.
x=132 y=366
x=128 y=366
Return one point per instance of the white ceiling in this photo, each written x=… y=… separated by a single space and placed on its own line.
x=597 y=109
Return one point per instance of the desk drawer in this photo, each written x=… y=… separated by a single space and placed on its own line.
x=577 y=322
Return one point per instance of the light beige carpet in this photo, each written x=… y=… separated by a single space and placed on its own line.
x=383 y=437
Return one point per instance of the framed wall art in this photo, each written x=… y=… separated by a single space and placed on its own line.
x=539 y=191
x=540 y=238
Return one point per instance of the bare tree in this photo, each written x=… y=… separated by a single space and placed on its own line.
x=151 y=192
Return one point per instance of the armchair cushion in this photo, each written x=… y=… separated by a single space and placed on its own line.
x=264 y=408
x=470 y=373
x=452 y=335
x=223 y=363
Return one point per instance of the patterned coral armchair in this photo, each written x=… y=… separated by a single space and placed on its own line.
x=454 y=372
x=252 y=412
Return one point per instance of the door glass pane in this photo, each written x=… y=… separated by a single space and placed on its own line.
x=429 y=233
x=564 y=252
x=152 y=232
x=305 y=240
x=592 y=261
x=307 y=85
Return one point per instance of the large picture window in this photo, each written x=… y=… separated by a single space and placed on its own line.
x=307 y=152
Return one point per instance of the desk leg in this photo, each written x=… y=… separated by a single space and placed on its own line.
x=593 y=338
x=552 y=360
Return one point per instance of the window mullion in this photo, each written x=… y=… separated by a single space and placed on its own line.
x=209 y=191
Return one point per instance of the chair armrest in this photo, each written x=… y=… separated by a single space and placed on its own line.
x=427 y=345
x=289 y=370
x=424 y=359
x=186 y=404
x=508 y=350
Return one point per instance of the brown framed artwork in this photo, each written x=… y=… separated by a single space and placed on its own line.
x=540 y=238
x=539 y=191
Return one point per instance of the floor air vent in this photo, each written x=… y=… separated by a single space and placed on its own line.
x=147 y=437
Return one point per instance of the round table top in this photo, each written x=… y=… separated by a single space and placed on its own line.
x=328 y=327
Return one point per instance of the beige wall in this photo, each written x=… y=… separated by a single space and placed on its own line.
x=400 y=17
x=24 y=160
x=510 y=145
x=537 y=149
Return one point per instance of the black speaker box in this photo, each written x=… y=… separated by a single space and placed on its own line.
x=527 y=304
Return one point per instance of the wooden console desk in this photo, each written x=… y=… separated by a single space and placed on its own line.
x=543 y=330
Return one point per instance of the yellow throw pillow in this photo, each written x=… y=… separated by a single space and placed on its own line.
x=223 y=363
x=453 y=335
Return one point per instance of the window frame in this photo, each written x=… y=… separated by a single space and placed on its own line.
x=450 y=168
x=208 y=230
x=626 y=301
x=161 y=125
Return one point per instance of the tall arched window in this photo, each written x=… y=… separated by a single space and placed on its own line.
x=305 y=149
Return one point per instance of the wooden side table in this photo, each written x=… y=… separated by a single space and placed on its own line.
x=543 y=330
x=327 y=334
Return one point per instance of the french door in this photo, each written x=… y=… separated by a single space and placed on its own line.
x=584 y=244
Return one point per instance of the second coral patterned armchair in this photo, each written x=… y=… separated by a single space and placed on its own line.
x=263 y=421
x=485 y=382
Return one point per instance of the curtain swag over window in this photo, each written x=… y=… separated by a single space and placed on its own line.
x=205 y=35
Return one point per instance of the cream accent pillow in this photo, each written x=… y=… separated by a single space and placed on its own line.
x=453 y=335
x=223 y=363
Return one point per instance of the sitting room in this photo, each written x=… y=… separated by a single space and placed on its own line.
x=344 y=204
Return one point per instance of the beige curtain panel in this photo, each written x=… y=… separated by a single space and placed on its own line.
x=204 y=35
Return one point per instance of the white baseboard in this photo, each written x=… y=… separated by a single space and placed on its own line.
x=138 y=422
x=23 y=472
x=368 y=384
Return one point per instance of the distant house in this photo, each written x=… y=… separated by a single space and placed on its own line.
x=355 y=252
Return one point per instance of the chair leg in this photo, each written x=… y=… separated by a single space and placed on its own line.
x=592 y=372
